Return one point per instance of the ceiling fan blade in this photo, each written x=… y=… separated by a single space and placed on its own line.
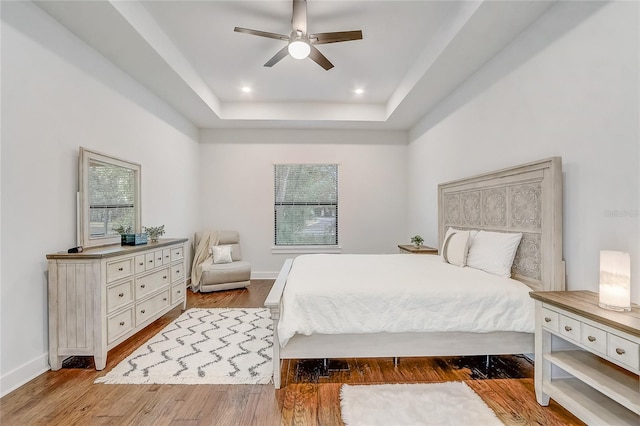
x=299 y=16
x=335 y=37
x=278 y=56
x=261 y=33
x=320 y=59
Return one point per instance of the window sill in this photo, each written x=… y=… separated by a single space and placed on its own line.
x=305 y=249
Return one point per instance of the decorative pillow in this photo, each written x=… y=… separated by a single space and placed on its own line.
x=494 y=252
x=221 y=254
x=455 y=248
x=472 y=234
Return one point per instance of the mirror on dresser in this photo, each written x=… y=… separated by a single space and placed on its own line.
x=109 y=198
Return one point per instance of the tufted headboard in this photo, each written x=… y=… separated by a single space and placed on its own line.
x=525 y=198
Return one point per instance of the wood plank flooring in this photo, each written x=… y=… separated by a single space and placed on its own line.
x=310 y=394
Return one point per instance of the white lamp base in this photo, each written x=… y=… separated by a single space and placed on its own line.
x=615 y=308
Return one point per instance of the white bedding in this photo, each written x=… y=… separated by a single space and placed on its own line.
x=370 y=293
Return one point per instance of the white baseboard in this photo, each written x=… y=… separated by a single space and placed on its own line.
x=23 y=374
x=261 y=275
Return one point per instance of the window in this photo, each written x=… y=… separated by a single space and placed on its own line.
x=306 y=204
x=111 y=199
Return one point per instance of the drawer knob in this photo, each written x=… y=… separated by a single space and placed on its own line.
x=166 y=257
x=177 y=271
x=179 y=291
x=142 y=311
x=142 y=286
x=591 y=338
x=120 y=269
x=547 y=319
x=164 y=277
x=121 y=295
x=164 y=299
x=141 y=263
x=568 y=328
x=151 y=261
x=121 y=322
x=620 y=351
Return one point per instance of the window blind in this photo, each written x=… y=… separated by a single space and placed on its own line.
x=306 y=204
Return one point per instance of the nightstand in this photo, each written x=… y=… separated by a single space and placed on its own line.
x=412 y=249
x=597 y=349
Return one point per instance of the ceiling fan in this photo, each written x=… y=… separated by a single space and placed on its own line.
x=300 y=44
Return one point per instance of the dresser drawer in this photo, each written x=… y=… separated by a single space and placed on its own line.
x=594 y=338
x=149 y=261
x=178 y=292
x=139 y=262
x=119 y=324
x=149 y=283
x=177 y=253
x=119 y=269
x=177 y=272
x=624 y=351
x=569 y=328
x=150 y=307
x=119 y=295
x=166 y=256
x=158 y=257
x=550 y=319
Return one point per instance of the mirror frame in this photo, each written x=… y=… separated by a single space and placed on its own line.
x=84 y=159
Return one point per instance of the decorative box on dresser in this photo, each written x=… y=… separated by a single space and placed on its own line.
x=600 y=384
x=104 y=295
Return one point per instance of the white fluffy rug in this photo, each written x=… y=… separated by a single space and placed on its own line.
x=450 y=403
x=203 y=346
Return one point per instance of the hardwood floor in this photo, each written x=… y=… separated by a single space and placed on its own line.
x=309 y=396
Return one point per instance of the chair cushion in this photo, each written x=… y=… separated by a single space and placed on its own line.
x=224 y=272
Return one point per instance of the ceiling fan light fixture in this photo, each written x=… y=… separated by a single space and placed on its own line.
x=299 y=49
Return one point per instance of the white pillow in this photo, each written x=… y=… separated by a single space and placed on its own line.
x=221 y=254
x=455 y=248
x=494 y=252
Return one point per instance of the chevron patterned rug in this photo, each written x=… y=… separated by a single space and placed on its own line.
x=203 y=346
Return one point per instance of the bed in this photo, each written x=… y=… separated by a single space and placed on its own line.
x=526 y=199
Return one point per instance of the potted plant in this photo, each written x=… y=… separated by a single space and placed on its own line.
x=417 y=240
x=154 y=232
x=120 y=229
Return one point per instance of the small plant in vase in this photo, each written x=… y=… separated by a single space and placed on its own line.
x=154 y=232
x=417 y=240
x=123 y=230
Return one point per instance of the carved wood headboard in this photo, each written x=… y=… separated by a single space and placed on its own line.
x=525 y=198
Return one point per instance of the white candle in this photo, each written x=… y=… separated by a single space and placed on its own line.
x=615 y=280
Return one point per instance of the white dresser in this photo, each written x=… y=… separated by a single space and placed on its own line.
x=104 y=295
x=592 y=366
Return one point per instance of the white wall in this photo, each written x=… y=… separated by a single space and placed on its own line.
x=236 y=173
x=568 y=86
x=57 y=95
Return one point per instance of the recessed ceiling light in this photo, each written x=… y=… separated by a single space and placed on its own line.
x=246 y=89
x=358 y=91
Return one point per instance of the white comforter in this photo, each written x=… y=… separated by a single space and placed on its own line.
x=343 y=293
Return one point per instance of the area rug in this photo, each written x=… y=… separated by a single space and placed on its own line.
x=203 y=346
x=450 y=403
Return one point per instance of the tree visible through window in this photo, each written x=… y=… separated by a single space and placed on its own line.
x=306 y=204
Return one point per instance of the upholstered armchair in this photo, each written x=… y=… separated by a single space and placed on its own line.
x=217 y=263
